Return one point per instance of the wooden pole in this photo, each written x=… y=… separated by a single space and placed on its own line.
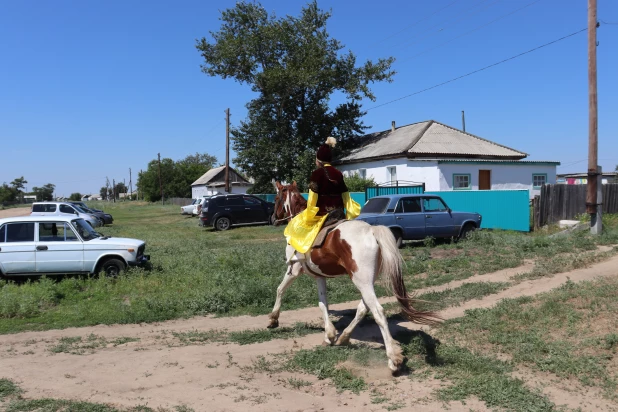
x=114 y=189
x=593 y=144
x=130 y=185
x=160 y=181
x=227 y=150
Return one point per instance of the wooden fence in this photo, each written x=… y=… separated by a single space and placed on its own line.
x=560 y=202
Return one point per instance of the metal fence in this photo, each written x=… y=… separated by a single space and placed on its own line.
x=178 y=201
x=393 y=190
x=559 y=202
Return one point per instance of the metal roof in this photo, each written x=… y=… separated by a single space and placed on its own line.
x=498 y=161
x=212 y=178
x=585 y=174
x=429 y=138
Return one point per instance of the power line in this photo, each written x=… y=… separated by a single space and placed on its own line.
x=608 y=22
x=453 y=22
x=479 y=70
x=415 y=23
x=471 y=31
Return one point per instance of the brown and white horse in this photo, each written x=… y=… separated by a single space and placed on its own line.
x=360 y=251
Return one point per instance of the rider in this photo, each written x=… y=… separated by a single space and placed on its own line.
x=328 y=197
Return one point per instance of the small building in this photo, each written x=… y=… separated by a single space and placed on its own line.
x=582 y=178
x=444 y=158
x=213 y=182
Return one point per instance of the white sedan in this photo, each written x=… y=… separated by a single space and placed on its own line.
x=36 y=245
x=190 y=209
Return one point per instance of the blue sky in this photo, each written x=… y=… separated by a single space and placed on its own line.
x=91 y=89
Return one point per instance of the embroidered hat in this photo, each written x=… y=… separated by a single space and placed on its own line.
x=324 y=152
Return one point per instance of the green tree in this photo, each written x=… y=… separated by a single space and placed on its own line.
x=177 y=176
x=44 y=193
x=356 y=183
x=120 y=188
x=103 y=193
x=19 y=184
x=7 y=193
x=295 y=67
x=75 y=196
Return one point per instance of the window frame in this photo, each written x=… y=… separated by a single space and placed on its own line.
x=389 y=174
x=538 y=174
x=3 y=227
x=427 y=199
x=34 y=232
x=362 y=173
x=468 y=175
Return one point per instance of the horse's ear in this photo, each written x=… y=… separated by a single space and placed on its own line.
x=278 y=186
x=294 y=184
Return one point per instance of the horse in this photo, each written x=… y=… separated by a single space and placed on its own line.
x=362 y=252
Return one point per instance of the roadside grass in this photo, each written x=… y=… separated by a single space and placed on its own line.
x=196 y=271
x=568 y=332
x=11 y=400
x=78 y=346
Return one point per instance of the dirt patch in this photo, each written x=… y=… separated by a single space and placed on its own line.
x=15 y=212
x=153 y=369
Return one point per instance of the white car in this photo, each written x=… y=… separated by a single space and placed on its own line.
x=190 y=209
x=36 y=245
x=64 y=209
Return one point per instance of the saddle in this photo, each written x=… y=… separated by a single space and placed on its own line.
x=328 y=227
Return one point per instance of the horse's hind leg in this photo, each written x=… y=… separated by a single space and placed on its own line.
x=329 y=328
x=293 y=271
x=393 y=349
x=361 y=311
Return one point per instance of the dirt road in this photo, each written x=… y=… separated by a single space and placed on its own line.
x=146 y=365
x=14 y=212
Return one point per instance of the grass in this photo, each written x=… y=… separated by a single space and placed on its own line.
x=78 y=346
x=563 y=332
x=196 y=271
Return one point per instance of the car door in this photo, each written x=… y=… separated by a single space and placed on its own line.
x=255 y=212
x=59 y=250
x=235 y=207
x=17 y=249
x=67 y=210
x=439 y=221
x=409 y=215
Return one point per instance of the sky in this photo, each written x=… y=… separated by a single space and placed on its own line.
x=91 y=89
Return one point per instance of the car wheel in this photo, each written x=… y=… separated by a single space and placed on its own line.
x=223 y=223
x=466 y=230
x=271 y=220
x=398 y=237
x=113 y=267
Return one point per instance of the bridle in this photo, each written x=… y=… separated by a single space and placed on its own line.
x=278 y=206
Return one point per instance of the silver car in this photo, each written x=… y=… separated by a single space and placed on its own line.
x=63 y=209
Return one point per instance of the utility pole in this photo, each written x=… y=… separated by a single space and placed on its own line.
x=139 y=188
x=593 y=142
x=114 y=189
x=130 y=185
x=227 y=150
x=160 y=181
x=463 y=120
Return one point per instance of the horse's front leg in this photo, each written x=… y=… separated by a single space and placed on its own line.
x=294 y=269
x=329 y=328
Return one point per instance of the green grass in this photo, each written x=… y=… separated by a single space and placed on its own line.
x=78 y=346
x=196 y=271
x=563 y=332
x=8 y=388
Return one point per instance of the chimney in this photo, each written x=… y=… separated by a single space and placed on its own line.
x=393 y=126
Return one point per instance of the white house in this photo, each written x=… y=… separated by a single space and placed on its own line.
x=444 y=158
x=213 y=182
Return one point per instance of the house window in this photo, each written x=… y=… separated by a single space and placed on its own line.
x=538 y=180
x=362 y=173
x=391 y=174
x=461 y=181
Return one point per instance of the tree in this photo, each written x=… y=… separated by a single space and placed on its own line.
x=295 y=67
x=177 y=176
x=75 y=196
x=19 y=184
x=120 y=188
x=356 y=183
x=44 y=193
x=103 y=192
x=7 y=193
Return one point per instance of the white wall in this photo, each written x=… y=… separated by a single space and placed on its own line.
x=503 y=177
x=407 y=170
x=201 y=190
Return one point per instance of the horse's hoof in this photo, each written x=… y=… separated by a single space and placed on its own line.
x=325 y=343
x=342 y=341
x=273 y=324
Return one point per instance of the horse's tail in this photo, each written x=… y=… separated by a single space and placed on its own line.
x=391 y=267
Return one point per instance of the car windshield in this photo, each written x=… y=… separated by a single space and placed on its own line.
x=80 y=209
x=85 y=231
x=376 y=205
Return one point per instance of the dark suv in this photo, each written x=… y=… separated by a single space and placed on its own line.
x=223 y=211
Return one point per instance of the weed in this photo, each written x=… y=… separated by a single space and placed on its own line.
x=195 y=336
x=263 y=335
x=122 y=340
x=298 y=383
x=8 y=388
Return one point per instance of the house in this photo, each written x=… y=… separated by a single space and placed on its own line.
x=582 y=178
x=213 y=182
x=444 y=158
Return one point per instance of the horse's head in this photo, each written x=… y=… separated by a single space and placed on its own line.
x=288 y=202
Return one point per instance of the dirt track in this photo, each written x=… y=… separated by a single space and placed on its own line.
x=14 y=212
x=158 y=372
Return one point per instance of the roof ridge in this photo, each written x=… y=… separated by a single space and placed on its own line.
x=420 y=135
x=480 y=138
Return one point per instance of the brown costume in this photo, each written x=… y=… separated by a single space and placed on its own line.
x=327 y=182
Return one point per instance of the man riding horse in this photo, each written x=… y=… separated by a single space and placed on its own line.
x=328 y=197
